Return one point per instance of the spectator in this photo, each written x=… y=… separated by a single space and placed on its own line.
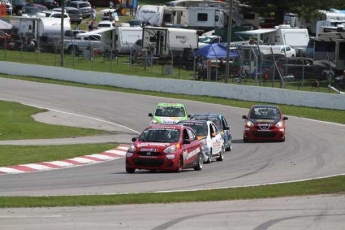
x=92 y=15
x=92 y=26
x=111 y=4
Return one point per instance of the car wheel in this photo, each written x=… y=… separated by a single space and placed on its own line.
x=245 y=140
x=209 y=160
x=179 y=165
x=221 y=155
x=282 y=140
x=134 y=56
x=230 y=146
x=130 y=170
x=200 y=163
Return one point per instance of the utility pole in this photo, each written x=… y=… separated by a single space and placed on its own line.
x=62 y=32
x=227 y=69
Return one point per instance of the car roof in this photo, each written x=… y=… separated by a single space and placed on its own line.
x=170 y=104
x=206 y=115
x=194 y=122
x=265 y=106
x=158 y=126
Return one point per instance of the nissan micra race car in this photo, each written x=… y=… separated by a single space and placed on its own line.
x=210 y=137
x=221 y=124
x=165 y=147
x=264 y=122
x=168 y=113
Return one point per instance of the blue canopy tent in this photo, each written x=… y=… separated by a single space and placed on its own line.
x=216 y=51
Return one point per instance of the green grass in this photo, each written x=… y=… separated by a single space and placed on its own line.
x=313 y=187
x=14 y=155
x=306 y=112
x=16 y=123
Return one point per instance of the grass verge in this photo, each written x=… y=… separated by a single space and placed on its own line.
x=337 y=116
x=313 y=187
x=14 y=155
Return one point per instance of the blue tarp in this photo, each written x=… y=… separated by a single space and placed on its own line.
x=216 y=51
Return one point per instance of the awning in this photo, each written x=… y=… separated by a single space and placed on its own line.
x=256 y=32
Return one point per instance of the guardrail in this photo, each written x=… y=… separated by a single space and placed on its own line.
x=240 y=92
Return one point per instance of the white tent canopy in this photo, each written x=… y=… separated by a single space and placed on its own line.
x=5 y=25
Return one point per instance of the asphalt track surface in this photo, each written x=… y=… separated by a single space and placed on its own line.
x=312 y=149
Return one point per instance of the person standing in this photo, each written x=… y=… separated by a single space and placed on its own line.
x=111 y=4
x=92 y=15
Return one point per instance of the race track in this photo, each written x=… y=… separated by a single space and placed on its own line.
x=312 y=149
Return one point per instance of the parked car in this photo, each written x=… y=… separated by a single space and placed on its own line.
x=55 y=14
x=210 y=138
x=84 y=7
x=8 y=6
x=221 y=124
x=207 y=40
x=168 y=113
x=264 y=122
x=17 y=6
x=32 y=9
x=50 y=4
x=74 y=14
x=106 y=24
x=267 y=23
x=165 y=147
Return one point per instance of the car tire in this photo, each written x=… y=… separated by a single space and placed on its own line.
x=230 y=147
x=209 y=159
x=221 y=155
x=200 y=163
x=179 y=165
x=245 y=140
x=130 y=170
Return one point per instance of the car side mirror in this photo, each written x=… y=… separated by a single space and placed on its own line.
x=213 y=134
x=244 y=117
x=186 y=141
x=150 y=115
x=134 y=139
x=285 y=118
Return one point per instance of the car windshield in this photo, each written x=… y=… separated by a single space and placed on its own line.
x=265 y=113
x=199 y=128
x=163 y=135
x=170 y=111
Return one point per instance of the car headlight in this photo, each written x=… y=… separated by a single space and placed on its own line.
x=203 y=141
x=170 y=149
x=279 y=124
x=154 y=121
x=249 y=124
x=131 y=148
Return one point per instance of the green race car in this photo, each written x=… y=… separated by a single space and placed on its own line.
x=169 y=113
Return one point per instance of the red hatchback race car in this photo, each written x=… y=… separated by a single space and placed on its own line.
x=264 y=122
x=165 y=147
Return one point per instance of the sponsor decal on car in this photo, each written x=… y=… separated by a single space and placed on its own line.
x=152 y=144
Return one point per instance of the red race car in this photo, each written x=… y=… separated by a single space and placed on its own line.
x=165 y=147
x=264 y=122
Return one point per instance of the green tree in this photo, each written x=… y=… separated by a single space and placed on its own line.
x=306 y=9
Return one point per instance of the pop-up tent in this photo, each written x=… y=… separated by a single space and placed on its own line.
x=216 y=51
x=5 y=25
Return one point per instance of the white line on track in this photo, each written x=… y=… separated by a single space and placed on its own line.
x=78 y=115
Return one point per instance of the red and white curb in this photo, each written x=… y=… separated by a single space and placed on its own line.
x=112 y=154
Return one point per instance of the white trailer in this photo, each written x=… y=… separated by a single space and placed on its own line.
x=120 y=39
x=280 y=35
x=167 y=41
x=162 y=15
x=207 y=18
x=35 y=27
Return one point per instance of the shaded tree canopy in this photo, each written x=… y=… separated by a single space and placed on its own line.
x=303 y=8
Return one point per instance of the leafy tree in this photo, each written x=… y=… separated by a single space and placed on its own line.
x=306 y=9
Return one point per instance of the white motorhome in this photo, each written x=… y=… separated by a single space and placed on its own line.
x=162 y=15
x=35 y=27
x=164 y=41
x=280 y=35
x=207 y=18
x=121 y=39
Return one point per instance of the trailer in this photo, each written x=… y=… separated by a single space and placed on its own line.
x=169 y=41
x=162 y=15
x=35 y=27
x=207 y=18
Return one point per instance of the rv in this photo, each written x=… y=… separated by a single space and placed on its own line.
x=120 y=39
x=280 y=35
x=207 y=18
x=162 y=15
x=166 y=41
x=34 y=27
